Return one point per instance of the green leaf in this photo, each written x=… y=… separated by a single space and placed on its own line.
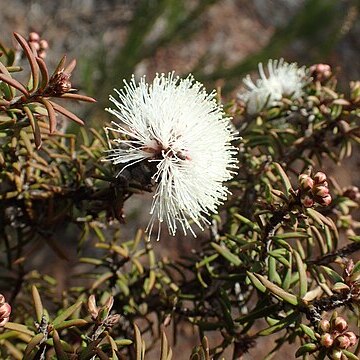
x=305 y=349
x=350 y=355
x=302 y=274
x=35 y=341
x=335 y=277
x=278 y=291
x=284 y=178
x=69 y=323
x=66 y=313
x=308 y=331
x=356 y=267
x=255 y=281
x=138 y=344
x=283 y=323
x=292 y=235
x=60 y=353
x=246 y=221
x=19 y=328
x=39 y=310
x=225 y=252
x=273 y=274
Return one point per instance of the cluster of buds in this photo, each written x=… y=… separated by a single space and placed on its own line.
x=5 y=311
x=320 y=72
x=352 y=192
x=314 y=190
x=335 y=336
x=38 y=44
x=101 y=314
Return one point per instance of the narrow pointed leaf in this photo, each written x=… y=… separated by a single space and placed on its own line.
x=35 y=341
x=14 y=83
x=67 y=313
x=60 y=353
x=302 y=274
x=44 y=73
x=225 y=252
x=66 y=113
x=32 y=61
x=39 y=309
x=35 y=126
x=305 y=349
x=278 y=291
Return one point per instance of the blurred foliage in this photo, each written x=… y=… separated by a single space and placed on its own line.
x=317 y=26
x=271 y=264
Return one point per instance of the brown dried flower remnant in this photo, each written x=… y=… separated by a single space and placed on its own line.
x=59 y=82
x=5 y=311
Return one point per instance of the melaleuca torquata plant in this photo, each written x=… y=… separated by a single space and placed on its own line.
x=276 y=258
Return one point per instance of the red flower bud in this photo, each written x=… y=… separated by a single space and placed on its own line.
x=307 y=201
x=43 y=44
x=326 y=340
x=5 y=310
x=343 y=342
x=93 y=309
x=34 y=37
x=321 y=191
x=352 y=338
x=324 y=325
x=4 y=321
x=320 y=72
x=340 y=324
x=319 y=177
x=325 y=201
x=305 y=182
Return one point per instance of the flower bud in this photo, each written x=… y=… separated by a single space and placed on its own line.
x=325 y=201
x=35 y=45
x=326 y=340
x=352 y=338
x=336 y=354
x=112 y=320
x=93 y=309
x=305 y=182
x=320 y=72
x=321 y=191
x=340 y=324
x=352 y=192
x=319 y=177
x=34 y=37
x=324 y=325
x=5 y=310
x=307 y=201
x=43 y=45
x=343 y=342
x=109 y=303
x=4 y=321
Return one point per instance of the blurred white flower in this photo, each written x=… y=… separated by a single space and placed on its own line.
x=176 y=125
x=281 y=80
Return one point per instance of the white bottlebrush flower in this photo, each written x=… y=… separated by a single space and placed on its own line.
x=176 y=125
x=281 y=80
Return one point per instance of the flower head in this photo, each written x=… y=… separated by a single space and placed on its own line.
x=175 y=125
x=282 y=80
